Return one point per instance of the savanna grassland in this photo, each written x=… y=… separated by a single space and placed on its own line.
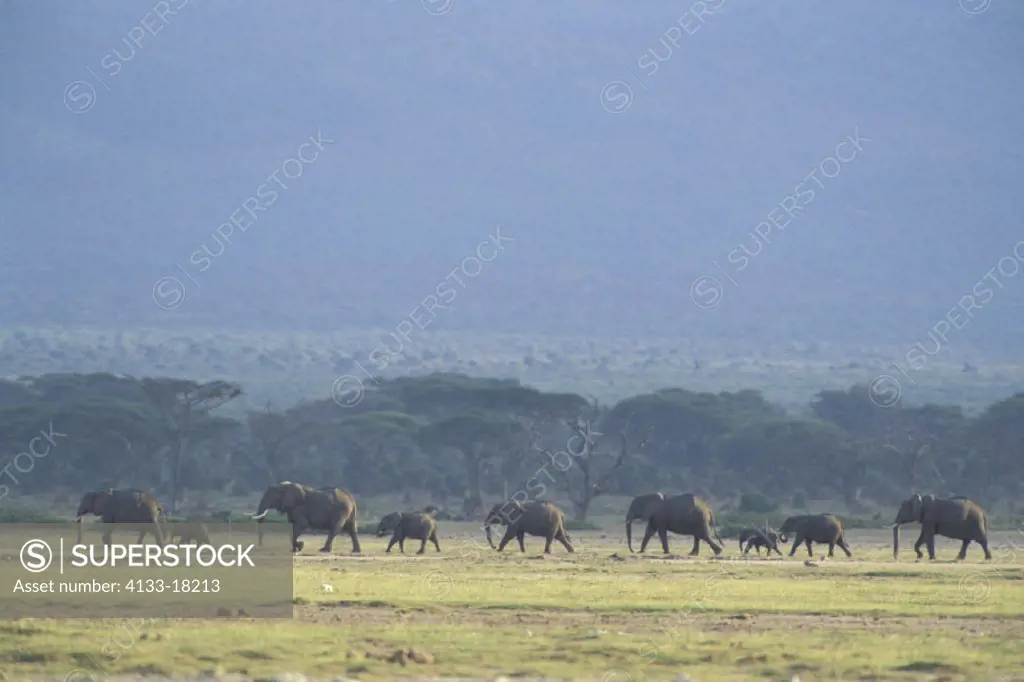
x=598 y=614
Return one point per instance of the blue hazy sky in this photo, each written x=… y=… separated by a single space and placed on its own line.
x=445 y=126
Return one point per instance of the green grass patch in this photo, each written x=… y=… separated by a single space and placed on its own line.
x=473 y=612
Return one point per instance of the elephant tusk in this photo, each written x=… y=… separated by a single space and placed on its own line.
x=260 y=516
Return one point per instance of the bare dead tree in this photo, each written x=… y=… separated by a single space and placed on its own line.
x=583 y=458
x=911 y=449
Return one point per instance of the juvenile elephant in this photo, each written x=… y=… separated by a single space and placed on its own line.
x=684 y=514
x=809 y=528
x=956 y=518
x=327 y=509
x=760 y=539
x=190 y=532
x=135 y=507
x=642 y=508
x=413 y=525
x=533 y=517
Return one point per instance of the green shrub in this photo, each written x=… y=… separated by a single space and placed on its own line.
x=17 y=514
x=757 y=504
x=580 y=525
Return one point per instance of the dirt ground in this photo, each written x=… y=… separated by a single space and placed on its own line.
x=627 y=622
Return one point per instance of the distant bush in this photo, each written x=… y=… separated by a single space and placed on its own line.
x=580 y=525
x=16 y=514
x=757 y=503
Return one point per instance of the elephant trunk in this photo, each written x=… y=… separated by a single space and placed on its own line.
x=629 y=534
x=79 y=522
x=895 y=540
x=490 y=539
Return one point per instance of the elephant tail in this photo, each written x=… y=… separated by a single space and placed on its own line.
x=714 y=529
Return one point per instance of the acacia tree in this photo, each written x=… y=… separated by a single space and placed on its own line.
x=270 y=435
x=477 y=435
x=185 y=403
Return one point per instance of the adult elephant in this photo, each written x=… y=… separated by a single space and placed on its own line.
x=957 y=518
x=535 y=517
x=824 y=529
x=642 y=508
x=684 y=514
x=327 y=509
x=133 y=507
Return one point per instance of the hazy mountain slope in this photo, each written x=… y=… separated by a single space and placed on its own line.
x=446 y=126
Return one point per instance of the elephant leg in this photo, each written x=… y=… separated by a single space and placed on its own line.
x=564 y=540
x=401 y=544
x=520 y=536
x=648 y=534
x=509 y=534
x=297 y=530
x=106 y=537
x=796 y=543
x=983 y=541
x=745 y=550
x=715 y=547
x=663 y=536
x=758 y=548
x=394 y=539
x=963 y=550
x=696 y=546
x=831 y=549
x=929 y=541
x=423 y=545
x=333 y=530
x=350 y=528
x=548 y=539
x=917 y=545
x=433 y=538
x=810 y=552
x=845 y=547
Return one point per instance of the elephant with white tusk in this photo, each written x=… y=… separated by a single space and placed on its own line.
x=133 y=507
x=534 y=517
x=956 y=517
x=328 y=509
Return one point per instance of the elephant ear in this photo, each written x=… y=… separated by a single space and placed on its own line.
x=926 y=504
x=292 y=495
x=101 y=500
x=917 y=505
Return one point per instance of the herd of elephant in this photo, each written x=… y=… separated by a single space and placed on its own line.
x=333 y=510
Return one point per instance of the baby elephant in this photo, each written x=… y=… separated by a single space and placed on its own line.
x=190 y=532
x=760 y=539
x=415 y=525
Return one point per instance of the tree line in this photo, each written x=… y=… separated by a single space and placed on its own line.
x=458 y=436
